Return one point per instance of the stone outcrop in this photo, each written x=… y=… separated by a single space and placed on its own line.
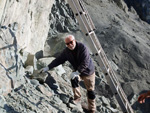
x=30 y=21
x=24 y=28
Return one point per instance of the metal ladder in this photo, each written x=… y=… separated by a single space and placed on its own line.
x=88 y=28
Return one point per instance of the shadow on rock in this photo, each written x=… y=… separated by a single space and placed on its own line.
x=9 y=109
x=51 y=82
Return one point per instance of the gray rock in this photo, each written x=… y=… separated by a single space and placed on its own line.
x=105 y=101
x=43 y=90
x=34 y=82
x=64 y=98
x=56 y=101
x=113 y=110
x=31 y=61
x=41 y=77
x=2 y=101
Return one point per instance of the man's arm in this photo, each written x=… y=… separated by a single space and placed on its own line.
x=59 y=60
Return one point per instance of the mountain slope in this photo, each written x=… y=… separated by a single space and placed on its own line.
x=122 y=34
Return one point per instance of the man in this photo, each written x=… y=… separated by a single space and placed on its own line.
x=142 y=97
x=78 y=55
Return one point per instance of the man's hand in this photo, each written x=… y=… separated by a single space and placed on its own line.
x=74 y=74
x=43 y=70
x=142 y=97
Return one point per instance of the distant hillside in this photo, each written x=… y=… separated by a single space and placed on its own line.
x=142 y=7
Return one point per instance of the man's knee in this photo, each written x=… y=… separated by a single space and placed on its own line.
x=75 y=82
x=91 y=94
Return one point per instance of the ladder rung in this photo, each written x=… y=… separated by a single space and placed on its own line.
x=99 y=50
x=117 y=88
x=126 y=104
x=108 y=70
x=90 y=32
x=77 y=14
x=83 y=12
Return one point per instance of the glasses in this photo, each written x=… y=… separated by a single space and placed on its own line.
x=71 y=42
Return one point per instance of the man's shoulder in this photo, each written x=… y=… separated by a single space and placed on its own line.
x=66 y=50
x=80 y=44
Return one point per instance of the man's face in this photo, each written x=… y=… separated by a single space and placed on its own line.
x=70 y=43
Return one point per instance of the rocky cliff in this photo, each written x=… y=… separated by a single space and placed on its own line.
x=32 y=34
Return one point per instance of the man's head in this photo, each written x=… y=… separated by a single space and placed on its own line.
x=70 y=42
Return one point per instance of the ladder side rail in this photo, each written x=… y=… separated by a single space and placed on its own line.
x=83 y=11
x=119 y=89
x=95 y=50
x=106 y=61
x=78 y=11
x=124 y=96
x=95 y=40
x=116 y=94
x=81 y=19
x=87 y=15
x=115 y=81
x=83 y=23
x=122 y=100
x=119 y=94
x=92 y=41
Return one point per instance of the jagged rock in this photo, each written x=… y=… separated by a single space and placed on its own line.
x=43 y=62
x=54 y=45
x=65 y=98
x=34 y=82
x=56 y=100
x=2 y=101
x=76 y=108
x=31 y=61
x=128 y=90
x=41 y=77
x=2 y=4
x=105 y=101
x=122 y=5
x=44 y=90
x=6 y=83
x=113 y=110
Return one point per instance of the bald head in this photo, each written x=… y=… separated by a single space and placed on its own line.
x=69 y=37
x=70 y=42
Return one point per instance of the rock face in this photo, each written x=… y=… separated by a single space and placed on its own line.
x=33 y=29
x=24 y=27
x=26 y=17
